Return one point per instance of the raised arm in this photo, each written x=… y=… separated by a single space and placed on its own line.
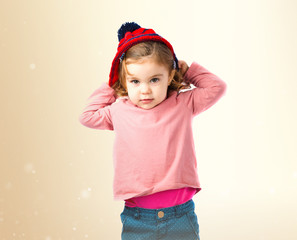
x=209 y=88
x=97 y=114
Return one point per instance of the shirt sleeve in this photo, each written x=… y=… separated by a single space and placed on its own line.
x=209 y=88
x=97 y=112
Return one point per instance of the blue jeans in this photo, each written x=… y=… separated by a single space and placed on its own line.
x=174 y=223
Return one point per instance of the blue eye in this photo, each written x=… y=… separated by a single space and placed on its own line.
x=154 y=80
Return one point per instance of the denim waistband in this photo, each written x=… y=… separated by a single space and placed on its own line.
x=160 y=214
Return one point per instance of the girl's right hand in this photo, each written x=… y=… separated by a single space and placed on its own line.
x=183 y=66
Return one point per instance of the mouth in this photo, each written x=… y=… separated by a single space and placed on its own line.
x=146 y=101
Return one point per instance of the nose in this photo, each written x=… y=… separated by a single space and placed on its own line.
x=145 y=89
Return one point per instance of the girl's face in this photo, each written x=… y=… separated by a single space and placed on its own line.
x=147 y=83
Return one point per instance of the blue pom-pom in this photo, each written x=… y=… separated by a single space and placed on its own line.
x=127 y=27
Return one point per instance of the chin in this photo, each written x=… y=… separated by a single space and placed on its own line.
x=147 y=106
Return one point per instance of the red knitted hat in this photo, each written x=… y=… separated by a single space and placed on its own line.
x=130 y=34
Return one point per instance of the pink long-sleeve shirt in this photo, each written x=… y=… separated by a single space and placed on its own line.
x=154 y=149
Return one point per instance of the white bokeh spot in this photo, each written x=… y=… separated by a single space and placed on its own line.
x=272 y=191
x=86 y=193
x=8 y=185
x=32 y=66
x=29 y=168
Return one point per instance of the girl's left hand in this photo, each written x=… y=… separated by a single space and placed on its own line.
x=183 y=67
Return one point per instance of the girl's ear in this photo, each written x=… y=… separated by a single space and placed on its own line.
x=171 y=77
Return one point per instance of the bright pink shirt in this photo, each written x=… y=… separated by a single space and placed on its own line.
x=164 y=199
x=154 y=148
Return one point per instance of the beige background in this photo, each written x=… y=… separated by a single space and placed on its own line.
x=56 y=175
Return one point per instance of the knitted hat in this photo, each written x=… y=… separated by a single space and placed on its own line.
x=130 y=34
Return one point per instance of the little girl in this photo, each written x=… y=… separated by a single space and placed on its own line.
x=155 y=169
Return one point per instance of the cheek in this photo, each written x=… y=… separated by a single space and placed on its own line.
x=162 y=93
x=164 y=88
x=131 y=92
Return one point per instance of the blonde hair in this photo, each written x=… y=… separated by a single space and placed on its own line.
x=161 y=54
